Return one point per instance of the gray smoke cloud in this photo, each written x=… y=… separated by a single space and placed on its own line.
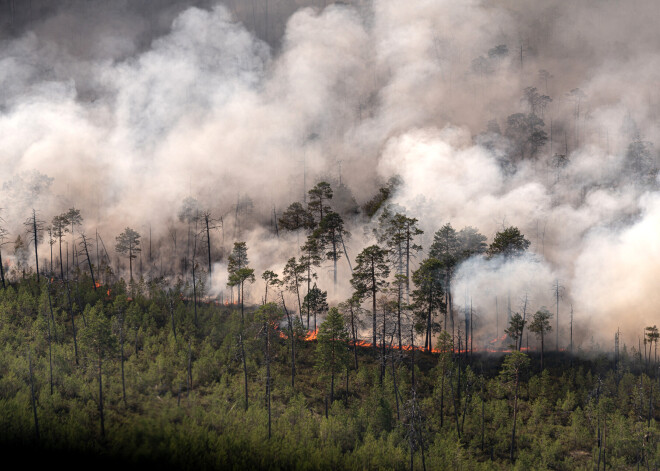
x=132 y=107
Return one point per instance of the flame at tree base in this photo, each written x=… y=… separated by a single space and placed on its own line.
x=312 y=335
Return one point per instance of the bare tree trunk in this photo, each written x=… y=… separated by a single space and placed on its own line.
x=36 y=242
x=208 y=243
x=2 y=271
x=61 y=260
x=309 y=280
x=98 y=261
x=89 y=260
x=346 y=254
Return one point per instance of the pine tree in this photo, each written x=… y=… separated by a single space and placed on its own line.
x=540 y=326
x=332 y=351
x=370 y=277
x=97 y=337
x=428 y=297
x=128 y=243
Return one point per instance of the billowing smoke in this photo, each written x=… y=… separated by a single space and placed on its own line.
x=124 y=111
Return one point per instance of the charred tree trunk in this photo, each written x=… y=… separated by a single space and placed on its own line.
x=89 y=260
x=346 y=254
x=309 y=280
x=61 y=259
x=36 y=242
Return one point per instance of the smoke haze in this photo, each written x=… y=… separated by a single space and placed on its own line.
x=130 y=107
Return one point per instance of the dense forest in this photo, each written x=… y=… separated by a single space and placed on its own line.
x=300 y=234
x=155 y=372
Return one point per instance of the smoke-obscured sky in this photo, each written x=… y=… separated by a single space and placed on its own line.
x=131 y=106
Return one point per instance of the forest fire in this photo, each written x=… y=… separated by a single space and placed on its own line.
x=312 y=335
x=498 y=339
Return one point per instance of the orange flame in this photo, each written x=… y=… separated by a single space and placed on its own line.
x=313 y=334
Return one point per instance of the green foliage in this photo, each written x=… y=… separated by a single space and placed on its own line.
x=332 y=354
x=508 y=243
x=515 y=329
x=184 y=405
x=371 y=272
x=296 y=217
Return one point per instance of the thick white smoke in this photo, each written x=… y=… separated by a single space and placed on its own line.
x=130 y=114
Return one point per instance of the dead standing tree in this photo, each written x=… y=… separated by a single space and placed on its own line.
x=34 y=228
x=60 y=225
x=209 y=224
x=84 y=243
